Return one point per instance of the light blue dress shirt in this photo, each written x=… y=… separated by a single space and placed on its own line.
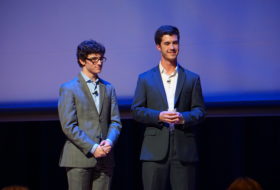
x=94 y=90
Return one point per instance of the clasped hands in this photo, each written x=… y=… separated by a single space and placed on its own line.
x=103 y=149
x=171 y=117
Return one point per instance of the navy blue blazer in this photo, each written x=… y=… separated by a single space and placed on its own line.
x=150 y=99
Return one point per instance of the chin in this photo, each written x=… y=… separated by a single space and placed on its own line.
x=172 y=59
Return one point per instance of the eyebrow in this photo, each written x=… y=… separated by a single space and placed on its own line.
x=95 y=57
x=169 y=42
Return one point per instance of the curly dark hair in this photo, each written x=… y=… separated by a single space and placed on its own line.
x=89 y=47
x=166 y=29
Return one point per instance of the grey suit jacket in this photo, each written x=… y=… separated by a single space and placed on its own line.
x=150 y=100
x=81 y=122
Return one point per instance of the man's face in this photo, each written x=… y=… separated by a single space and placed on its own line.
x=169 y=47
x=92 y=64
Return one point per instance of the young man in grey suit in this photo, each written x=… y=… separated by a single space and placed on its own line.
x=168 y=102
x=89 y=116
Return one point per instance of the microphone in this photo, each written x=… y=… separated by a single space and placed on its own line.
x=95 y=93
x=168 y=81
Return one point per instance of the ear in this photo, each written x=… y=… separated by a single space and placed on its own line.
x=158 y=47
x=82 y=62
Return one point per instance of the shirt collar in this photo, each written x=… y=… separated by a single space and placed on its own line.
x=88 y=80
x=162 y=70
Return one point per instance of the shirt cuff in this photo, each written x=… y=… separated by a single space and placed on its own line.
x=182 y=122
x=93 y=148
x=111 y=143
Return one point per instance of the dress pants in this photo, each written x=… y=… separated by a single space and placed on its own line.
x=169 y=173
x=97 y=178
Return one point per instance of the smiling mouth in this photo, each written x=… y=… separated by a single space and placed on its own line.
x=172 y=52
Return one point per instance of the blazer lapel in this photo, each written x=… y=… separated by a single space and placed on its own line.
x=102 y=90
x=159 y=85
x=87 y=92
x=180 y=83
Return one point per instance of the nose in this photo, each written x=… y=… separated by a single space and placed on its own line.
x=172 y=46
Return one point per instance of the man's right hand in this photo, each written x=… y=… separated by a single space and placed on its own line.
x=99 y=152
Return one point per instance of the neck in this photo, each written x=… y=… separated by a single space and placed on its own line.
x=169 y=66
x=93 y=77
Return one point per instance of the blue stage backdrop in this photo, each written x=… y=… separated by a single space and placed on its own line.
x=233 y=45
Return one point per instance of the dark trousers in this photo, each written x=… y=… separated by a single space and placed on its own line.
x=170 y=173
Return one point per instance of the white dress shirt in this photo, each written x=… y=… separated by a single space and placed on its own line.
x=170 y=84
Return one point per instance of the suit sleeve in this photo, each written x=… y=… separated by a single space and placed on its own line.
x=115 y=123
x=139 y=108
x=69 y=121
x=197 y=112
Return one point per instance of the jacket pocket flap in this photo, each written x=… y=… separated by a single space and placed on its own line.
x=150 y=132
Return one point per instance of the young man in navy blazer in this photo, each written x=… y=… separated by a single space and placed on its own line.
x=168 y=103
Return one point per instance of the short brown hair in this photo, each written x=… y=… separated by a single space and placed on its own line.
x=244 y=183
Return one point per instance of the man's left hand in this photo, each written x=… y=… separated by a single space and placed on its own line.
x=106 y=146
x=180 y=118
